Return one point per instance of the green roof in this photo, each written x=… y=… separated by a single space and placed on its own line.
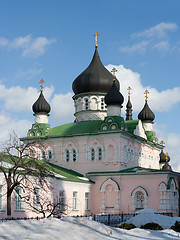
x=131 y=125
x=57 y=171
x=137 y=170
x=76 y=128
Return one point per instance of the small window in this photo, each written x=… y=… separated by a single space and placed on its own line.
x=1 y=197
x=99 y=153
x=36 y=198
x=31 y=134
x=87 y=201
x=18 y=198
x=38 y=133
x=113 y=126
x=92 y=154
x=102 y=104
x=61 y=201
x=139 y=200
x=74 y=200
x=74 y=155
x=67 y=155
x=49 y=154
x=110 y=120
x=43 y=155
x=86 y=104
x=104 y=128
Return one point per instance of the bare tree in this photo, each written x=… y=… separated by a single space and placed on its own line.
x=20 y=167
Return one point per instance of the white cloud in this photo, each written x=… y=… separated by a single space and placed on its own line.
x=63 y=107
x=37 y=47
x=3 y=42
x=162 y=46
x=158 y=101
x=29 y=74
x=153 y=34
x=137 y=47
x=172 y=143
x=8 y=124
x=159 y=31
x=31 y=47
x=20 y=99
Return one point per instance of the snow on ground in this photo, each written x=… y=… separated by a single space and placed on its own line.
x=150 y=215
x=70 y=228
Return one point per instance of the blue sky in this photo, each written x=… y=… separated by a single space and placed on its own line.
x=53 y=40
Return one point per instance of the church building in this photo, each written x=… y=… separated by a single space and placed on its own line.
x=120 y=160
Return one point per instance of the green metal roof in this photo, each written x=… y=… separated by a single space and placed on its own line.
x=57 y=171
x=137 y=170
x=131 y=125
x=76 y=128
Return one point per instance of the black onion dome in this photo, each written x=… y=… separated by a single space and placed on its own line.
x=129 y=110
x=41 y=105
x=167 y=167
x=163 y=157
x=96 y=78
x=146 y=114
x=129 y=104
x=114 y=97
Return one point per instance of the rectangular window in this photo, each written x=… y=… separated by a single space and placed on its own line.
x=61 y=200
x=74 y=200
x=36 y=199
x=1 y=200
x=18 y=198
x=87 y=201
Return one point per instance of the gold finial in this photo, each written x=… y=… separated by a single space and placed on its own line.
x=114 y=73
x=129 y=91
x=162 y=142
x=146 y=94
x=41 y=82
x=167 y=157
x=96 y=34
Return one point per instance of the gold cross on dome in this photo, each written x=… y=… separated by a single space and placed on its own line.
x=167 y=157
x=146 y=94
x=129 y=91
x=162 y=142
x=41 y=82
x=114 y=73
x=96 y=34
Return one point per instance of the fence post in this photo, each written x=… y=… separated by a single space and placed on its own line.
x=122 y=217
x=109 y=219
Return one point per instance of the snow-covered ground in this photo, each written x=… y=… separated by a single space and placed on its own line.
x=70 y=228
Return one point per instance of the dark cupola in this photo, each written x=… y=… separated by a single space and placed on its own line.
x=41 y=108
x=129 y=107
x=167 y=167
x=146 y=114
x=41 y=105
x=163 y=159
x=114 y=99
x=96 y=78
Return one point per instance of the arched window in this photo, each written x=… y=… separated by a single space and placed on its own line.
x=102 y=103
x=74 y=155
x=49 y=154
x=86 y=104
x=67 y=155
x=18 y=198
x=43 y=155
x=125 y=153
x=92 y=154
x=99 y=153
x=139 y=200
